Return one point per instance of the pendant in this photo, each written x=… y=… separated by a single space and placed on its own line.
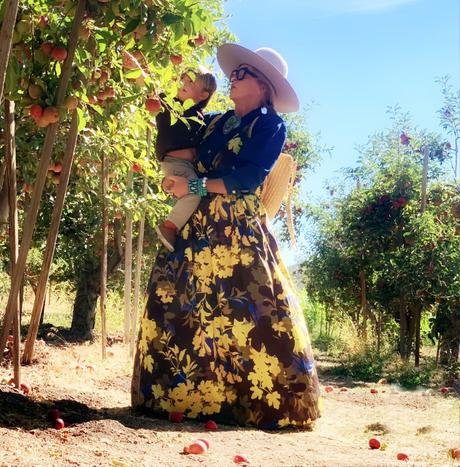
x=232 y=123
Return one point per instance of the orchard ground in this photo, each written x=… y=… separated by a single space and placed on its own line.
x=93 y=397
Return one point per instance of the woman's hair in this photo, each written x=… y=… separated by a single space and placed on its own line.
x=268 y=88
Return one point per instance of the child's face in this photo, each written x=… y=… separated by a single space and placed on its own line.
x=191 y=90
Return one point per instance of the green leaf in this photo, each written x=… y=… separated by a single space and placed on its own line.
x=81 y=119
x=188 y=104
x=133 y=74
x=132 y=25
x=170 y=18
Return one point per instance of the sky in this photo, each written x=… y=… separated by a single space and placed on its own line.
x=349 y=60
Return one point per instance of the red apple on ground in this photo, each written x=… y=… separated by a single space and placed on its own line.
x=176 y=417
x=443 y=390
x=211 y=425
x=374 y=443
x=328 y=388
x=402 y=457
x=25 y=388
x=59 y=53
x=59 y=424
x=153 y=104
x=238 y=459
x=176 y=59
x=374 y=391
x=454 y=453
x=197 y=447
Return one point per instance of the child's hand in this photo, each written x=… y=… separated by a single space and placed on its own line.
x=167 y=185
x=179 y=185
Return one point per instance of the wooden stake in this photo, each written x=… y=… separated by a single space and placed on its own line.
x=32 y=212
x=6 y=35
x=105 y=230
x=140 y=247
x=128 y=262
x=51 y=240
x=10 y=146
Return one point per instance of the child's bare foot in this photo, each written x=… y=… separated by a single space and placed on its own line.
x=166 y=235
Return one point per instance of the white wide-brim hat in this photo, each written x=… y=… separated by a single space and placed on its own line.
x=270 y=63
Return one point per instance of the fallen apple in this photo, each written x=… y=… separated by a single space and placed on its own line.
x=374 y=391
x=25 y=388
x=238 y=459
x=402 y=457
x=328 y=388
x=197 y=447
x=454 y=453
x=211 y=425
x=59 y=423
x=374 y=443
x=174 y=417
x=443 y=390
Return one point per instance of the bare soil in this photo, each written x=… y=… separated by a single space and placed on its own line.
x=101 y=429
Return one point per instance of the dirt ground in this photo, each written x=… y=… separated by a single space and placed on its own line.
x=93 y=397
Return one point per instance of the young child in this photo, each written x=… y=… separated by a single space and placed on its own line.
x=175 y=148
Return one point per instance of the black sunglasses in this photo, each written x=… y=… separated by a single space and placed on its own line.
x=240 y=73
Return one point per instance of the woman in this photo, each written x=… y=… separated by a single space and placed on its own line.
x=223 y=336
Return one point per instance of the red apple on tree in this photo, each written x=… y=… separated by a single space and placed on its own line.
x=136 y=168
x=153 y=104
x=199 y=40
x=35 y=91
x=43 y=22
x=36 y=111
x=51 y=114
x=176 y=59
x=59 y=53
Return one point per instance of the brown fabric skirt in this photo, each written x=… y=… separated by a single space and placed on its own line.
x=222 y=336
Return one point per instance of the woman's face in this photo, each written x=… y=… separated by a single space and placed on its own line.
x=247 y=87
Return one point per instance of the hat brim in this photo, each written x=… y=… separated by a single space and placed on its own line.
x=230 y=56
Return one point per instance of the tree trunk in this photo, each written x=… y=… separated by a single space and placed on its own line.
x=88 y=291
x=84 y=309
x=402 y=328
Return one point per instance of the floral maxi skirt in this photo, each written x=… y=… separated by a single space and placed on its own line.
x=222 y=336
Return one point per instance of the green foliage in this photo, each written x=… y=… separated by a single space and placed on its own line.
x=377 y=234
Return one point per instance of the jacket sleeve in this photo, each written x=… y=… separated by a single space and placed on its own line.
x=257 y=155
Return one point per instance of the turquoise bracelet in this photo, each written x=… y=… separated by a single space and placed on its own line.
x=197 y=186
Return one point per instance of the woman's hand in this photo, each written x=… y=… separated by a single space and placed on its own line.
x=179 y=186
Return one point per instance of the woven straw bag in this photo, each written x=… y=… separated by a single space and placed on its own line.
x=277 y=186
